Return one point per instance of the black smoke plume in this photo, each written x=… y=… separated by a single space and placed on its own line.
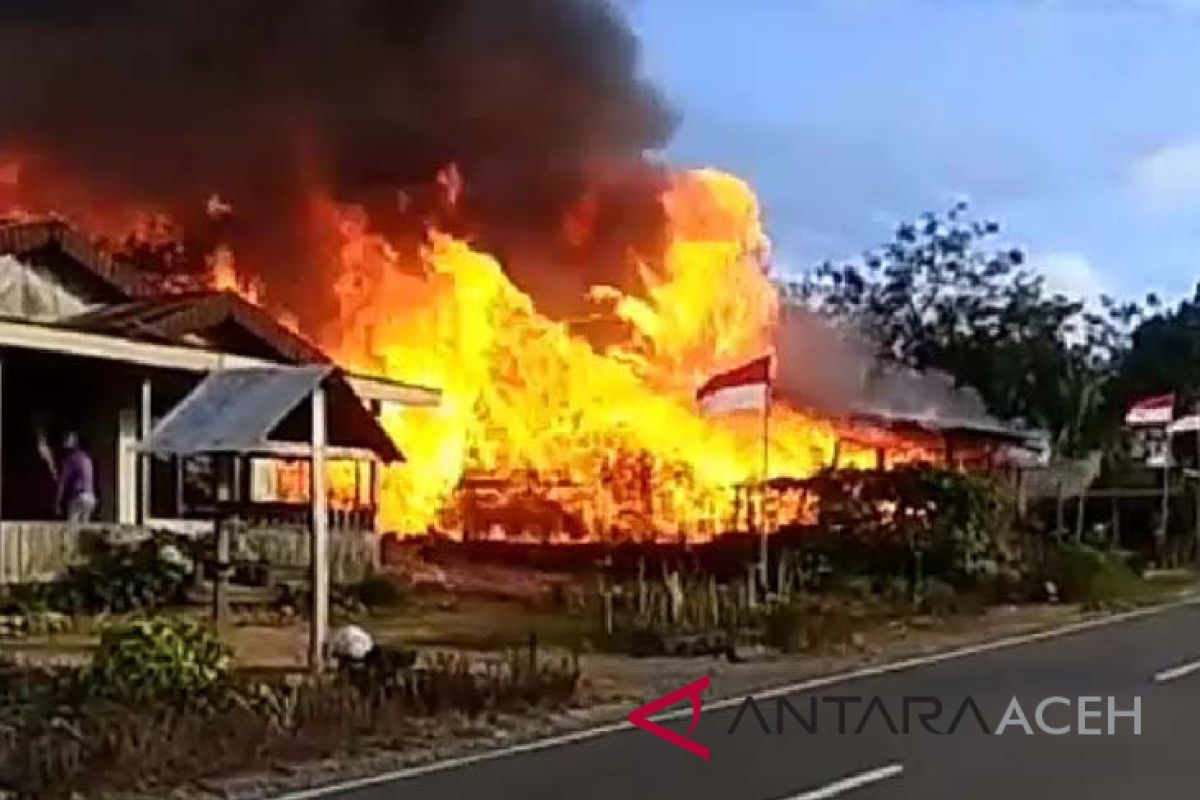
x=168 y=103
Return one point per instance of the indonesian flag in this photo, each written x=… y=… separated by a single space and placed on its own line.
x=746 y=388
x=1157 y=410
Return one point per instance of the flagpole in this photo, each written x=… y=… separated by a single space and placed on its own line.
x=766 y=460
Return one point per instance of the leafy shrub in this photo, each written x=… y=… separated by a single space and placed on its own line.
x=120 y=576
x=811 y=624
x=1083 y=574
x=157 y=660
x=786 y=627
x=914 y=521
x=379 y=591
x=939 y=598
x=53 y=749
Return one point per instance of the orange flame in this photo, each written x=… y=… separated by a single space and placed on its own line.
x=223 y=275
x=610 y=441
x=525 y=396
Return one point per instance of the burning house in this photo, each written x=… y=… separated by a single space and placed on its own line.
x=437 y=195
x=88 y=346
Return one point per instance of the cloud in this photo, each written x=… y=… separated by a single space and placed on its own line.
x=1071 y=274
x=1170 y=176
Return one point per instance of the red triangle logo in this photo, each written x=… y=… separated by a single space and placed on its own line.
x=641 y=716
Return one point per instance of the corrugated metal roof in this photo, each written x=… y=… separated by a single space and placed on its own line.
x=173 y=317
x=236 y=411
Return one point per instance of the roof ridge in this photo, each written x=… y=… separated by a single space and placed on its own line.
x=26 y=235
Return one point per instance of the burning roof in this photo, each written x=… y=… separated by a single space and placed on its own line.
x=436 y=193
x=836 y=371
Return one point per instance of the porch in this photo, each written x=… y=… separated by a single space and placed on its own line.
x=111 y=391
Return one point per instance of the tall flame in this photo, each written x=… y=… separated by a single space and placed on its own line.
x=611 y=436
x=525 y=396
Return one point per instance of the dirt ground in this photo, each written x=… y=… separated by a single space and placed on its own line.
x=489 y=611
x=486 y=626
x=486 y=619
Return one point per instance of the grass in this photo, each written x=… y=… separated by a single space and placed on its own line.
x=488 y=624
x=480 y=624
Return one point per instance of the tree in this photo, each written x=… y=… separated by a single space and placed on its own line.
x=1163 y=356
x=942 y=294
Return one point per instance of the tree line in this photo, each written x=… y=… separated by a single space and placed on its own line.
x=945 y=293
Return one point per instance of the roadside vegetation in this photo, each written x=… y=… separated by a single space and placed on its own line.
x=160 y=702
x=128 y=689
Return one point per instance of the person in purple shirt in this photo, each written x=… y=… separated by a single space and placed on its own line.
x=76 y=482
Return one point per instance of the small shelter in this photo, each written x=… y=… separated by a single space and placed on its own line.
x=92 y=345
x=235 y=415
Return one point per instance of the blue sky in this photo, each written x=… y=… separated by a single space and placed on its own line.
x=1075 y=123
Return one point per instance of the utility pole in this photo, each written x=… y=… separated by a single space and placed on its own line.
x=763 y=550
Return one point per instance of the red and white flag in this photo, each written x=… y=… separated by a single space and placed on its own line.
x=1157 y=410
x=746 y=388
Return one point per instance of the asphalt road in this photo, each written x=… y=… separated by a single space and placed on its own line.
x=1150 y=657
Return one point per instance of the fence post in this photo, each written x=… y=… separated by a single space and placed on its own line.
x=1059 y=510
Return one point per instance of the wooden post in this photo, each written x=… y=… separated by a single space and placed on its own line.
x=179 y=485
x=375 y=475
x=228 y=495
x=1059 y=511
x=3 y=532
x=1115 y=539
x=1164 y=526
x=606 y=603
x=763 y=555
x=146 y=422
x=641 y=588
x=1080 y=514
x=608 y=611
x=319 y=558
x=1196 y=534
x=220 y=578
x=781 y=577
x=1022 y=495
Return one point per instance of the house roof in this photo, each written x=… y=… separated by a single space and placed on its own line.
x=49 y=235
x=171 y=318
x=138 y=310
x=238 y=410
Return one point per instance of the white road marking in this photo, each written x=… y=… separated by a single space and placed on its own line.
x=849 y=784
x=1175 y=673
x=803 y=686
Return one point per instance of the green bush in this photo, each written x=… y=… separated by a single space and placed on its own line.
x=939 y=598
x=123 y=576
x=915 y=521
x=1083 y=574
x=786 y=627
x=811 y=624
x=52 y=747
x=157 y=660
x=379 y=591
